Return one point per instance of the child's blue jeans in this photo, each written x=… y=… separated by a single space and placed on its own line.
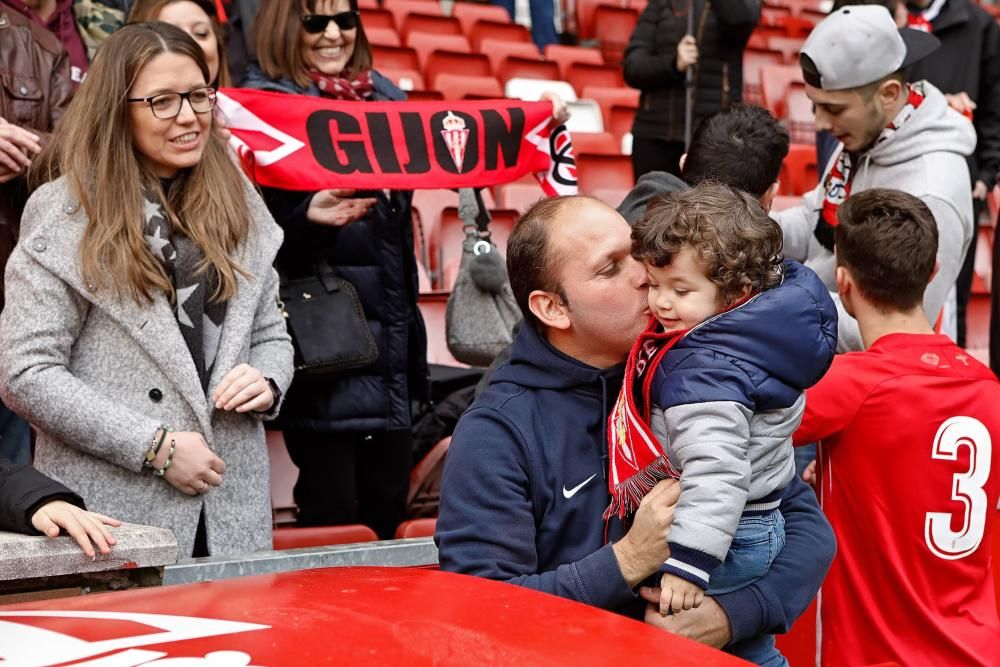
x=757 y=541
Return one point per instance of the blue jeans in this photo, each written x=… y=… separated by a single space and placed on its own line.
x=755 y=545
x=543 y=16
x=15 y=437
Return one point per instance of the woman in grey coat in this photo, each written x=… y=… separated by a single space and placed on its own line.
x=141 y=334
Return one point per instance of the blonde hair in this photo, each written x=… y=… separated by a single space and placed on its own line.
x=149 y=10
x=93 y=149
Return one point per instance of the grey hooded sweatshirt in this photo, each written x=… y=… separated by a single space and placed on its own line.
x=924 y=158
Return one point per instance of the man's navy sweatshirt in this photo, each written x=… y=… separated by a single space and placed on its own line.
x=524 y=491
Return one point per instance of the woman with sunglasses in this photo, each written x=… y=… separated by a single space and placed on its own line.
x=141 y=334
x=349 y=434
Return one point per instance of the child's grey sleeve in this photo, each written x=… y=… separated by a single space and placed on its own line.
x=709 y=441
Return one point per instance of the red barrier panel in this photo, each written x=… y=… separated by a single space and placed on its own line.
x=339 y=616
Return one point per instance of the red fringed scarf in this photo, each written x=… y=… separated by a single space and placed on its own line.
x=341 y=88
x=837 y=186
x=636 y=460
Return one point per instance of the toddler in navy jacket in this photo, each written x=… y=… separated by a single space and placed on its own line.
x=726 y=397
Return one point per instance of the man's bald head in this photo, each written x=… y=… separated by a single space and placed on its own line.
x=532 y=261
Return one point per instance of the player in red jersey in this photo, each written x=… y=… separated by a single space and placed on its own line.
x=905 y=475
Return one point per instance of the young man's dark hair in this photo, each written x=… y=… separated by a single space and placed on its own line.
x=888 y=240
x=529 y=257
x=743 y=147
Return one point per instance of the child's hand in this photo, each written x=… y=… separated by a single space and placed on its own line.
x=678 y=594
x=83 y=526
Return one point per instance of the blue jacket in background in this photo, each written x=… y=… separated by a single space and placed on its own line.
x=524 y=492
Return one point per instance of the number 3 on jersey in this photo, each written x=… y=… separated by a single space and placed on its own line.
x=967 y=489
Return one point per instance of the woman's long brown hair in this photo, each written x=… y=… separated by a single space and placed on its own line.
x=149 y=10
x=93 y=148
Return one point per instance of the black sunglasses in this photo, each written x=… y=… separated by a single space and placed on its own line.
x=316 y=23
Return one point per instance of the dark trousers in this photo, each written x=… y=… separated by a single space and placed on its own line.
x=656 y=155
x=351 y=478
x=963 y=284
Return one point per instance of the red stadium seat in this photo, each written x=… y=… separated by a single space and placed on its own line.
x=395 y=57
x=775 y=81
x=772 y=14
x=788 y=46
x=512 y=32
x=801 y=119
x=284 y=474
x=620 y=122
x=416 y=528
x=606 y=177
x=608 y=97
x=382 y=37
x=613 y=27
x=582 y=75
x=498 y=50
x=427 y=23
x=799 y=172
x=564 y=55
x=518 y=196
x=455 y=63
x=425 y=44
x=468 y=13
x=378 y=18
x=515 y=67
x=462 y=87
x=600 y=143
x=585 y=11
x=321 y=536
x=402 y=8
x=407 y=79
x=753 y=60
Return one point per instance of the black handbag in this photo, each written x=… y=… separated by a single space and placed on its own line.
x=327 y=323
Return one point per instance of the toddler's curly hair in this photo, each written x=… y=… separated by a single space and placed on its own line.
x=736 y=241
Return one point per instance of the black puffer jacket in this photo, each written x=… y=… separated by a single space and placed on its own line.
x=722 y=28
x=374 y=254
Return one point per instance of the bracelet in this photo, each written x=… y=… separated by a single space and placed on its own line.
x=159 y=472
x=155 y=444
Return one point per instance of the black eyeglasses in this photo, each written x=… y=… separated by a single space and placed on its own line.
x=316 y=23
x=168 y=105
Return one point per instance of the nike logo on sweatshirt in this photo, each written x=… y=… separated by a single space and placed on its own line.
x=569 y=493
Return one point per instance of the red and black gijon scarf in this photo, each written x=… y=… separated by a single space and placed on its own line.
x=837 y=186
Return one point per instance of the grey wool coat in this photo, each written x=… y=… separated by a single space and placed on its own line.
x=97 y=376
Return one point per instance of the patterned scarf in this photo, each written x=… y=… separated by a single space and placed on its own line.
x=837 y=186
x=357 y=89
x=199 y=318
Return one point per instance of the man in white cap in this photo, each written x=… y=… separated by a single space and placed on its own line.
x=892 y=134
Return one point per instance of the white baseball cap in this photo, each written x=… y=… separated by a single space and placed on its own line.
x=860 y=44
